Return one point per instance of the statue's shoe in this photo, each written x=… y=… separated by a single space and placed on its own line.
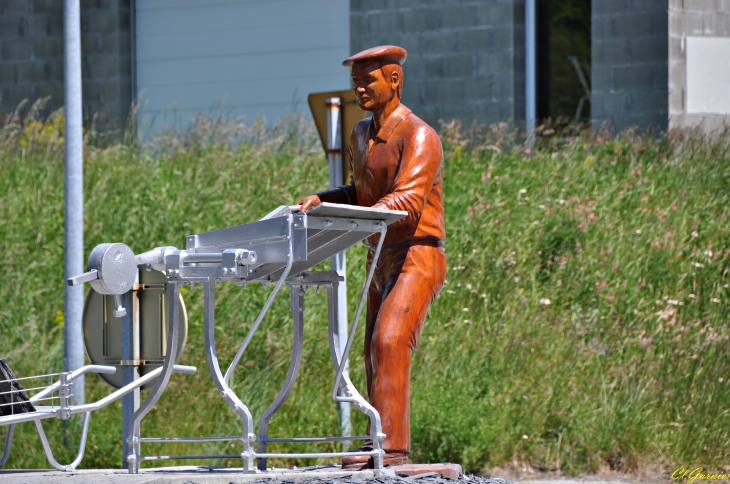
x=358 y=462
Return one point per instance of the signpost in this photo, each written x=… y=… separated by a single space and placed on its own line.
x=73 y=302
x=335 y=115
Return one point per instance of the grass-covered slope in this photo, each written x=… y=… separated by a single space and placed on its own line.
x=583 y=323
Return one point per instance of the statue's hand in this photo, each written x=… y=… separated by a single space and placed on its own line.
x=308 y=202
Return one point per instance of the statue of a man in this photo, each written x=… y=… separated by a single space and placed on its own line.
x=396 y=163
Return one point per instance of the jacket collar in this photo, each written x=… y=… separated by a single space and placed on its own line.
x=386 y=130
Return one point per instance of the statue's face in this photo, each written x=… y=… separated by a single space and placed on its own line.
x=372 y=88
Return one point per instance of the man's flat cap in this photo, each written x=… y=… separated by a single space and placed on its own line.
x=390 y=54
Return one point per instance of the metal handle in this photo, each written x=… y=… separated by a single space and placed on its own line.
x=119 y=311
x=92 y=275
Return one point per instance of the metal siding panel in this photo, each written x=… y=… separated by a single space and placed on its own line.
x=259 y=57
x=214 y=17
x=256 y=40
x=275 y=91
x=242 y=68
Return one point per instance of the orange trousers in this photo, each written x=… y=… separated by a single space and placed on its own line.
x=407 y=279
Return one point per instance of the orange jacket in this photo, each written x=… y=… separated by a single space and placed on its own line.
x=401 y=167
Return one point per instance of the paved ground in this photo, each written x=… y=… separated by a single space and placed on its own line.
x=313 y=475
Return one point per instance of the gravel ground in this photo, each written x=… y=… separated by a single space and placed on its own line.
x=429 y=478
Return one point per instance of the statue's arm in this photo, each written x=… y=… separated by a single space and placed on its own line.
x=420 y=162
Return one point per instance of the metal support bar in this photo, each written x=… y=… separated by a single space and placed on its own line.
x=269 y=302
x=49 y=453
x=215 y=371
x=130 y=351
x=346 y=390
x=318 y=439
x=173 y=298
x=341 y=364
x=297 y=310
x=313 y=455
x=228 y=438
x=8 y=444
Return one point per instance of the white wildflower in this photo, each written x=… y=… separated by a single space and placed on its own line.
x=697 y=264
x=545 y=301
x=715 y=300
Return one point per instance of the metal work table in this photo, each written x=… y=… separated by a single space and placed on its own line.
x=279 y=249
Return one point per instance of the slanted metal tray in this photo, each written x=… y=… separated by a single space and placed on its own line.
x=317 y=235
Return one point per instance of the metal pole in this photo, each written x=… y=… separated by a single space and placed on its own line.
x=74 y=195
x=334 y=157
x=530 y=71
x=130 y=373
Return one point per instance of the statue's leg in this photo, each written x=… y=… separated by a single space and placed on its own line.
x=394 y=337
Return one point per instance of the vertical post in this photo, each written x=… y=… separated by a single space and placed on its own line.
x=334 y=157
x=130 y=353
x=530 y=70
x=73 y=300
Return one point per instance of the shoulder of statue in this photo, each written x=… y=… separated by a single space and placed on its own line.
x=412 y=125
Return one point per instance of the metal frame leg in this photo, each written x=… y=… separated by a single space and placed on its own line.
x=297 y=310
x=8 y=444
x=228 y=395
x=173 y=297
x=347 y=391
x=49 y=453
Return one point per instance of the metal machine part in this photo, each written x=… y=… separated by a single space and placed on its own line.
x=57 y=404
x=103 y=333
x=111 y=270
x=280 y=248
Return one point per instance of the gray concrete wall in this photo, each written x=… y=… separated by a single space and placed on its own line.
x=693 y=18
x=629 y=75
x=31 y=56
x=465 y=57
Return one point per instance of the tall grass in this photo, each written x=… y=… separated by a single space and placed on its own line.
x=583 y=323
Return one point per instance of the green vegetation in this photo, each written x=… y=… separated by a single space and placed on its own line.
x=583 y=323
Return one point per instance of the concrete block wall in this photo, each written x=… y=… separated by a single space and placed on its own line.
x=696 y=18
x=629 y=51
x=31 y=56
x=31 y=52
x=465 y=57
x=106 y=65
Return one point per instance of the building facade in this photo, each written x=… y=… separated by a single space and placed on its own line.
x=649 y=63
